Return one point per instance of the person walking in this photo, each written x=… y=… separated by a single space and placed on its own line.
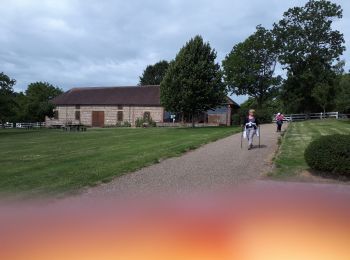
x=251 y=125
x=279 y=121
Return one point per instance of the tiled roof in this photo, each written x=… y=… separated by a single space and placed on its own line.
x=145 y=96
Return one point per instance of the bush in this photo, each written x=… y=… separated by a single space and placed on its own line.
x=141 y=122
x=123 y=124
x=330 y=154
x=127 y=124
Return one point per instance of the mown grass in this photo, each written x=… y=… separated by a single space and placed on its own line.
x=290 y=159
x=53 y=162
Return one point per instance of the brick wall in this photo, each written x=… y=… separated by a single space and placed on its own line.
x=66 y=114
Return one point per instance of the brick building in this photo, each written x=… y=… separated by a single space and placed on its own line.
x=106 y=106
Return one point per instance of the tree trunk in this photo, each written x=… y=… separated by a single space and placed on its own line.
x=193 y=123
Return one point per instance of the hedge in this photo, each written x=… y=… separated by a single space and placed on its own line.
x=330 y=154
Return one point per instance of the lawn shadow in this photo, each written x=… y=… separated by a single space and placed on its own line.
x=345 y=122
x=329 y=176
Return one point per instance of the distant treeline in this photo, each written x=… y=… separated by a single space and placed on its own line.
x=29 y=106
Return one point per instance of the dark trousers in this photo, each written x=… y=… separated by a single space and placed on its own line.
x=279 y=126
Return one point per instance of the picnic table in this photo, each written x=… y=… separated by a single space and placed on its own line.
x=75 y=127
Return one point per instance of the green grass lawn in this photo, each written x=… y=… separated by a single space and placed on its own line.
x=290 y=160
x=53 y=162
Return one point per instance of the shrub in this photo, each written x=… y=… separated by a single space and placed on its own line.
x=330 y=154
x=140 y=122
x=127 y=124
x=123 y=124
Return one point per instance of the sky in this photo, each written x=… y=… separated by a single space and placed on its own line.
x=76 y=43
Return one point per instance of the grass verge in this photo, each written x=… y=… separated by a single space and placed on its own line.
x=290 y=160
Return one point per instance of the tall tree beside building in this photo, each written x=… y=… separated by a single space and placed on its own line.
x=249 y=68
x=154 y=74
x=38 y=96
x=309 y=48
x=7 y=94
x=193 y=82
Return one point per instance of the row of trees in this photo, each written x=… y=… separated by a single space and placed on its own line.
x=303 y=44
x=307 y=48
x=31 y=106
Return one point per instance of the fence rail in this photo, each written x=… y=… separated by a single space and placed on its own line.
x=23 y=125
x=303 y=117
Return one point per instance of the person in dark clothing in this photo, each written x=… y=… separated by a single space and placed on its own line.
x=251 y=125
x=279 y=121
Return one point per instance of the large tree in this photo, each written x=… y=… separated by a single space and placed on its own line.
x=154 y=74
x=249 y=68
x=309 y=49
x=20 y=112
x=39 y=95
x=343 y=94
x=7 y=103
x=193 y=82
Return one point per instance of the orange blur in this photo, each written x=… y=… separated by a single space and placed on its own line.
x=256 y=232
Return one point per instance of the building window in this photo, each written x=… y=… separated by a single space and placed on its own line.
x=120 y=107
x=77 y=107
x=146 y=116
x=77 y=115
x=120 y=116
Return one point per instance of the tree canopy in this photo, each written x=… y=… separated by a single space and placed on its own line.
x=7 y=95
x=308 y=49
x=32 y=106
x=249 y=68
x=154 y=74
x=193 y=82
x=38 y=96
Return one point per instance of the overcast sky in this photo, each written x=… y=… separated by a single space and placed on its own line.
x=72 y=43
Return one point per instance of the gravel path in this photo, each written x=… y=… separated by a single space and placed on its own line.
x=217 y=165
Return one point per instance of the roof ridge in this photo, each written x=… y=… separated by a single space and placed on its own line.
x=112 y=87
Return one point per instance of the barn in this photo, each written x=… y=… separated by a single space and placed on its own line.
x=106 y=106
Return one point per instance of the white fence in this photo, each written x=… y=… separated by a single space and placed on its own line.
x=23 y=125
x=302 y=117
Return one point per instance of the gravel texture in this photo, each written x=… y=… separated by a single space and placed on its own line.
x=215 y=166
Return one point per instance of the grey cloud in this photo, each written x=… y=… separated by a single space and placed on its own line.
x=86 y=43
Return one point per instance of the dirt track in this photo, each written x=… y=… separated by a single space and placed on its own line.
x=217 y=165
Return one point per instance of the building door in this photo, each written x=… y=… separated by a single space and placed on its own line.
x=98 y=118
